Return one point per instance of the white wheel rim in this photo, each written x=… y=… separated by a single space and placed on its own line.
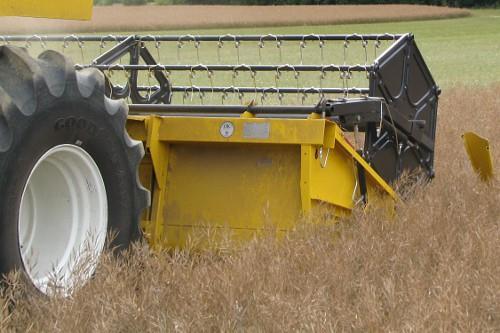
x=62 y=220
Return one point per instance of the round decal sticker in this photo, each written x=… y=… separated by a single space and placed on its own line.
x=226 y=129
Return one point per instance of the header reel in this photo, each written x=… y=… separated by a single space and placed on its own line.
x=388 y=97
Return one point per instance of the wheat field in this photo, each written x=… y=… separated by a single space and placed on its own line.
x=151 y=17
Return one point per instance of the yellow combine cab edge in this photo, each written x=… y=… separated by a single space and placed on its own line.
x=57 y=9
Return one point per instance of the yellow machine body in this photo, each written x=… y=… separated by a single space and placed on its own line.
x=245 y=174
x=61 y=9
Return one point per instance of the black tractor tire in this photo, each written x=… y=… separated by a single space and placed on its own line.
x=45 y=103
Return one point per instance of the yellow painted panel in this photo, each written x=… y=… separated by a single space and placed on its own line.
x=147 y=180
x=335 y=183
x=254 y=130
x=280 y=131
x=231 y=185
x=305 y=177
x=478 y=149
x=63 y=9
x=211 y=173
x=333 y=171
x=371 y=174
x=136 y=128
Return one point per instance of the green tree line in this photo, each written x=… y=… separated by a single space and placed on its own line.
x=451 y=3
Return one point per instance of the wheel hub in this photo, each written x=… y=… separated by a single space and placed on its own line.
x=62 y=219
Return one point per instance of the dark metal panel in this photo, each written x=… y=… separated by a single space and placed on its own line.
x=403 y=79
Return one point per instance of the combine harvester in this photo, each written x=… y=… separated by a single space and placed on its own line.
x=245 y=157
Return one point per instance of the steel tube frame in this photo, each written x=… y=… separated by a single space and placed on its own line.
x=232 y=68
x=259 y=90
x=200 y=38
